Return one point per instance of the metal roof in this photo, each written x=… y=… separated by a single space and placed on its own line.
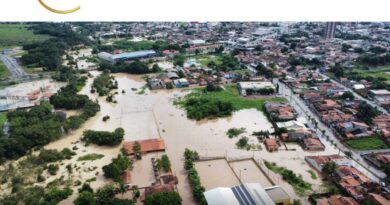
x=136 y=54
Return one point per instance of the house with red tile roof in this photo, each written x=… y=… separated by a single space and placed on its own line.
x=271 y=144
x=152 y=145
x=377 y=199
x=313 y=144
x=337 y=200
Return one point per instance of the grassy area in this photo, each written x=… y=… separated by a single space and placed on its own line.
x=231 y=94
x=129 y=46
x=4 y=72
x=3 y=118
x=376 y=72
x=90 y=157
x=17 y=35
x=312 y=174
x=201 y=105
x=206 y=59
x=300 y=187
x=367 y=143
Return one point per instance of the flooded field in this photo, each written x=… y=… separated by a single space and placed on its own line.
x=248 y=172
x=216 y=173
x=145 y=114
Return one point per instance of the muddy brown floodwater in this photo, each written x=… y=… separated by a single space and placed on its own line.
x=153 y=115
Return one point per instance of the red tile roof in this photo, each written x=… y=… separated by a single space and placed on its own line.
x=152 y=145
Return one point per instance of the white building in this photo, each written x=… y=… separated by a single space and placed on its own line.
x=247 y=194
x=244 y=87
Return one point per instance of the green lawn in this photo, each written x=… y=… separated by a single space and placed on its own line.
x=368 y=143
x=90 y=157
x=3 y=118
x=382 y=71
x=231 y=94
x=204 y=60
x=17 y=35
x=200 y=105
x=4 y=72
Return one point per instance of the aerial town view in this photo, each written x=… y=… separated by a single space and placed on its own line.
x=195 y=113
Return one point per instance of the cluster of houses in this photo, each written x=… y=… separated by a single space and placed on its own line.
x=363 y=87
x=346 y=177
x=291 y=128
x=180 y=77
x=379 y=159
x=324 y=98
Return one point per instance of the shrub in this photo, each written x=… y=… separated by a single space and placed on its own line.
x=52 y=169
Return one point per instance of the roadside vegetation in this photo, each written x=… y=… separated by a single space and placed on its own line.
x=300 y=186
x=367 y=143
x=4 y=72
x=201 y=105
x=3 y=118
x=193 y=177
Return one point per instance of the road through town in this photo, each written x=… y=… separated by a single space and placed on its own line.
x=304 y=111
x=357 y=96
x=13 y=66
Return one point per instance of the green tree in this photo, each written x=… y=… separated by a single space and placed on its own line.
x=85 y=198
x=329 y=168
x=347 y=95
x=165 y=163
x=137 y=150
x=163 y=198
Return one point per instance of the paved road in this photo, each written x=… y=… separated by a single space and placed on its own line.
x=357 y=96
x=13 y=66
x=302 y=109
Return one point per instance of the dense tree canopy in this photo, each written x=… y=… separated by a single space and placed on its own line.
x=164 y=198
x=136 y=67
x=48 y=54
x=203 y=107
x=115 y=169
x=28 y=129
x=104 y=137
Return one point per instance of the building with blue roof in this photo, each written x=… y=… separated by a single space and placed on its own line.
x=127 y=56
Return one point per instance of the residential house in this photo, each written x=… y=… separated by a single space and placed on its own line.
x=336 y=200
x=271 y=144
x=313 y=144
x=318 y=162
x=377 y=199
